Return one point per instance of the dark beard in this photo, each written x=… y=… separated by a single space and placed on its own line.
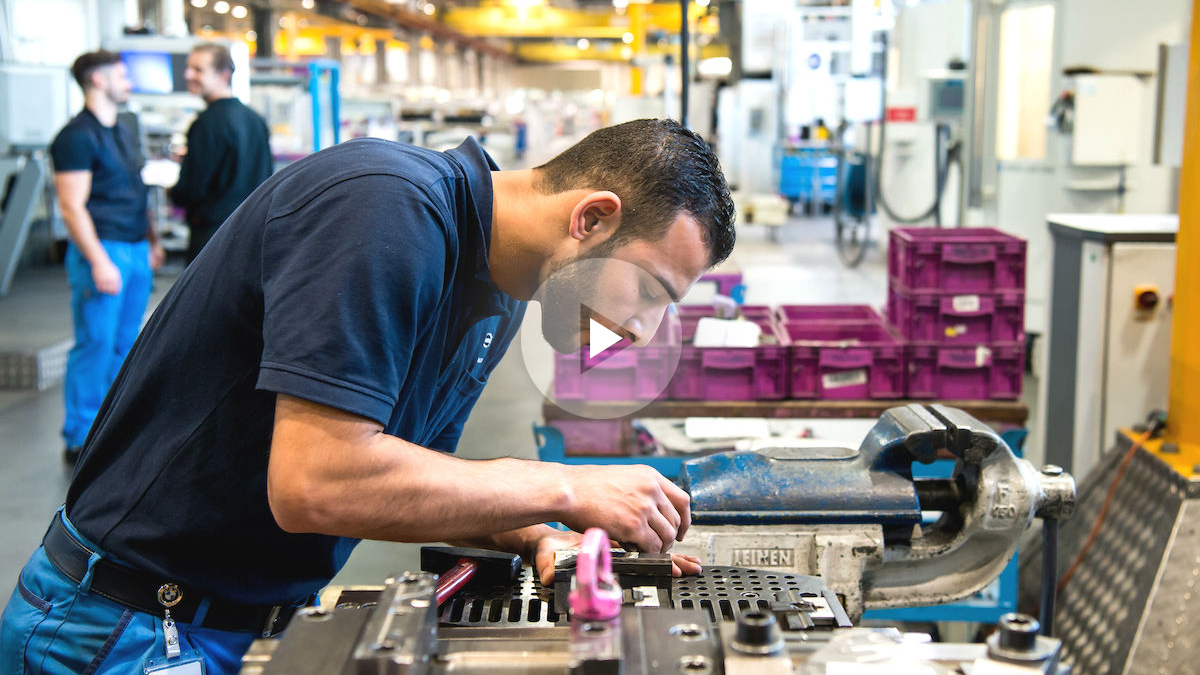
x=567 y=288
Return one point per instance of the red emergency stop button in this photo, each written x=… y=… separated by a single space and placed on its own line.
x=1145 y=297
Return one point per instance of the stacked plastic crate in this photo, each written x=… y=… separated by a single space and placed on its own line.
x=841 y=352
x=957 y=296
x=731 y=373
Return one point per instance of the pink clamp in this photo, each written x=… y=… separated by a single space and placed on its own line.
x=595 y=595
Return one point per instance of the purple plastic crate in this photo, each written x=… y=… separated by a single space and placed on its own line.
x=966 y=373
x=593 y=437
x=634 y=374
x=957 y=318
x=968 y=260
x=690 y=315
x=733 y=373
x=828 y=314
x=725 y=281
x=844 y=361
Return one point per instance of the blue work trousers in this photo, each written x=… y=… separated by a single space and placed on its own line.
x=54 y=626
x=105 y=328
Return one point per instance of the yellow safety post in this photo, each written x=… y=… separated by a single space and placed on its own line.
x=1183 y=408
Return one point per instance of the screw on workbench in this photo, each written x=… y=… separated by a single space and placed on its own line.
x=1018 y=632
x=1052 y=470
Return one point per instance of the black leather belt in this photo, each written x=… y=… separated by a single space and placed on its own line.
x=144 y=592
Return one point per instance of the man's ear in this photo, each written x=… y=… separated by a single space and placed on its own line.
x=596 y=217
x=98 y=79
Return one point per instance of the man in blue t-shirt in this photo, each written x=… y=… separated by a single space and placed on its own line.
x=113 y=247
x=301 y=387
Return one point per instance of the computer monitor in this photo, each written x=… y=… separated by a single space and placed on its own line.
x=155 y=72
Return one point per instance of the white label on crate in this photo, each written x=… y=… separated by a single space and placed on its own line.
x=966 y=303
x=846 y=378
x=982 y=356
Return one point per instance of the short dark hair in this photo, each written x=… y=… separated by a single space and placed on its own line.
x=89 y=63
x=659 y=168
x=222 y=62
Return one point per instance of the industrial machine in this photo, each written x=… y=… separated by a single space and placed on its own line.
x=852 y=516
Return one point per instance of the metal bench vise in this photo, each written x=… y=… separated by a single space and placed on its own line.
x=854 y=517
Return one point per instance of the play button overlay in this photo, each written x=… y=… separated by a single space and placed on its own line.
x=601 y=338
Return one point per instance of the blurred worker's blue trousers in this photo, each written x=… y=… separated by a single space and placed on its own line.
x=105 y=328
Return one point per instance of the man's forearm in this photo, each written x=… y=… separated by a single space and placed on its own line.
x=333 y=474
x=82 y=232
x=151 y=230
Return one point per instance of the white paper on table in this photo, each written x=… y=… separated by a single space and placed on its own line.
x=712 y=332
x=726 y=427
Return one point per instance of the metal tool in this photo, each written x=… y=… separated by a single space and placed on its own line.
x=853 y=517
x=456 y=567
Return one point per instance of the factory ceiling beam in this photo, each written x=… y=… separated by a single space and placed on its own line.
x=543 y=21
x=436 y=29
x=545 y=51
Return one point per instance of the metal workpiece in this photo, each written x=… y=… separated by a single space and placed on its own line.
x=728 y=621
x=740 y=662
x=757 y=633
x=1017 y=641
x=595 y=647
x=852 y=517
x=401 y=635
x=1057 y=500
x=839 y=554
x=318 y=641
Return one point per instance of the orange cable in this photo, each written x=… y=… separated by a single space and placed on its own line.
x=1112 y=490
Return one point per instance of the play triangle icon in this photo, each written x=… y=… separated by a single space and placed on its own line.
x=601 y=338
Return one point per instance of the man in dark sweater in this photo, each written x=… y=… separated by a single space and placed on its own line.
x=228 y=151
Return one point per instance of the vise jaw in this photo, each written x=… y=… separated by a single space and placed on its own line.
x=854 y=517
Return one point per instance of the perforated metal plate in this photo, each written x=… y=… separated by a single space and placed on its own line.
x=722 y=592
x=727 y=592
x=1168 y=641
x=1099 y=611
x=528 y=604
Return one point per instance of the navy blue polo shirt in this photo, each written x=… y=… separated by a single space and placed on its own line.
x=118 y=198
x=357 y=278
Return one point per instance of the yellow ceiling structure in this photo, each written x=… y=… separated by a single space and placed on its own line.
x=541 y=32
x=497 y=19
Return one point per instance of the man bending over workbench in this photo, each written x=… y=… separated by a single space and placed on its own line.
x=301 y=386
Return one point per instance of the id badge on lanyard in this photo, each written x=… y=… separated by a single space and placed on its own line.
x=175 y=660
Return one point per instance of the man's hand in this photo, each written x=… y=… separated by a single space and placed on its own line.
x=107 y=277
x=543 y=562
x=636 y=505
x=157 y=255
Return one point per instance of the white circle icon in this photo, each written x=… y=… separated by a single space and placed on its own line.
x=602 y=339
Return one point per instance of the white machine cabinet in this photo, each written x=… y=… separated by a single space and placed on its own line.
x=1113 y=286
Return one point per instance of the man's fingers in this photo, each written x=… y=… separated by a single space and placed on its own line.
x=685 y=565
x=661 y=533
x=682 y=502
